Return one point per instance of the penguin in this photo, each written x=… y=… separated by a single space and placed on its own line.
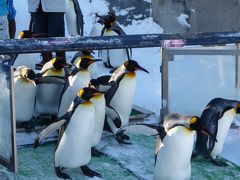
x=99 y=103
x=74 y=18
x=112 y=58
x=218 y=115
x=85 y=53
x=120 y=95
x=25 y=90
x=93 y=69
x=174 y=146
x=79 y=78
x=75 y=137
x=51 y=83
x=55 y=67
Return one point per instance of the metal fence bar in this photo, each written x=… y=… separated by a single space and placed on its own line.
x=237 y=70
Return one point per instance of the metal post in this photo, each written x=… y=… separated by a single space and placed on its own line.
x=164 y=78
x=237 y=73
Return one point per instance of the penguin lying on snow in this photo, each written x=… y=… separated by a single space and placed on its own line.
x=116 y=57
x=25 y=91
x=175 y=144
x=75 y=137
x=218 y=116
x=120 y=90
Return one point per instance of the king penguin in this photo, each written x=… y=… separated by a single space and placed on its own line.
x=173 y=152
x=112 y=58
x=55 y=67
x=218 y=116
x=174 y=146
x=79 y=78
x=74 y=18
x=99 y=103
x=75 y=136
x=51 y=82
x=25 y=90
x=120 y=96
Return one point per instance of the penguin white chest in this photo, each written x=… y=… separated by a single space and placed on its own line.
x=71 y=19
x=122 y=100
x=116 y=57
x=223 y=127
x=24 y=99
x=99 y=104
x=74 y=149
x=76 y=82
x=173 y=158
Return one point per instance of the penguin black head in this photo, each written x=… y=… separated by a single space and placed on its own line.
x=30 y=34
x=86 y=62
x=59 y=63
x=28 y=74
x=25 y=34
x=132 y=66
x=198 y=125
x=238 y=108
x=87 y=93
x=87 y=52
x=107 y=20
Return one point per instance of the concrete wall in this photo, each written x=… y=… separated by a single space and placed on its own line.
x=136 y=9
x=204 y=15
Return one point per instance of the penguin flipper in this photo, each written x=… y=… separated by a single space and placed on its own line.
x=136 y=129
x=88 y=172
x=47 y=131
x=114 y=116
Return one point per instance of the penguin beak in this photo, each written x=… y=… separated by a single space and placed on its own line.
x=93 y=61
x=142 y=69
x=98 y=60
x=101 y=20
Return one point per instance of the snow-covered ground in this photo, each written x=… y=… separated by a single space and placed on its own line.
x=194 y=80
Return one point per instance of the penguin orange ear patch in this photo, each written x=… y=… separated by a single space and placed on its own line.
x=193 y=120
x=54 y=60
x=80 y=93
x=21 y=35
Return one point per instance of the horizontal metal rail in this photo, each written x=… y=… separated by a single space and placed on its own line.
x=16 y=46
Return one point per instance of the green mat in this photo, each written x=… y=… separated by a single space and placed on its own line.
x=128 y=162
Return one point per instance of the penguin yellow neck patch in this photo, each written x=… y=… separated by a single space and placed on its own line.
x=131 y=75
x=54 y=72
x=87 y=103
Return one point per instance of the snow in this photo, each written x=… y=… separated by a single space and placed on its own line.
x=194 y=80
x=182 y=20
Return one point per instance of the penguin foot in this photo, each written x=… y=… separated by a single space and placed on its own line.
x=60 y=174
x=219 y=162
x=90 y=173
x=194 y=154
x=96 y=152
x=122 y=138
